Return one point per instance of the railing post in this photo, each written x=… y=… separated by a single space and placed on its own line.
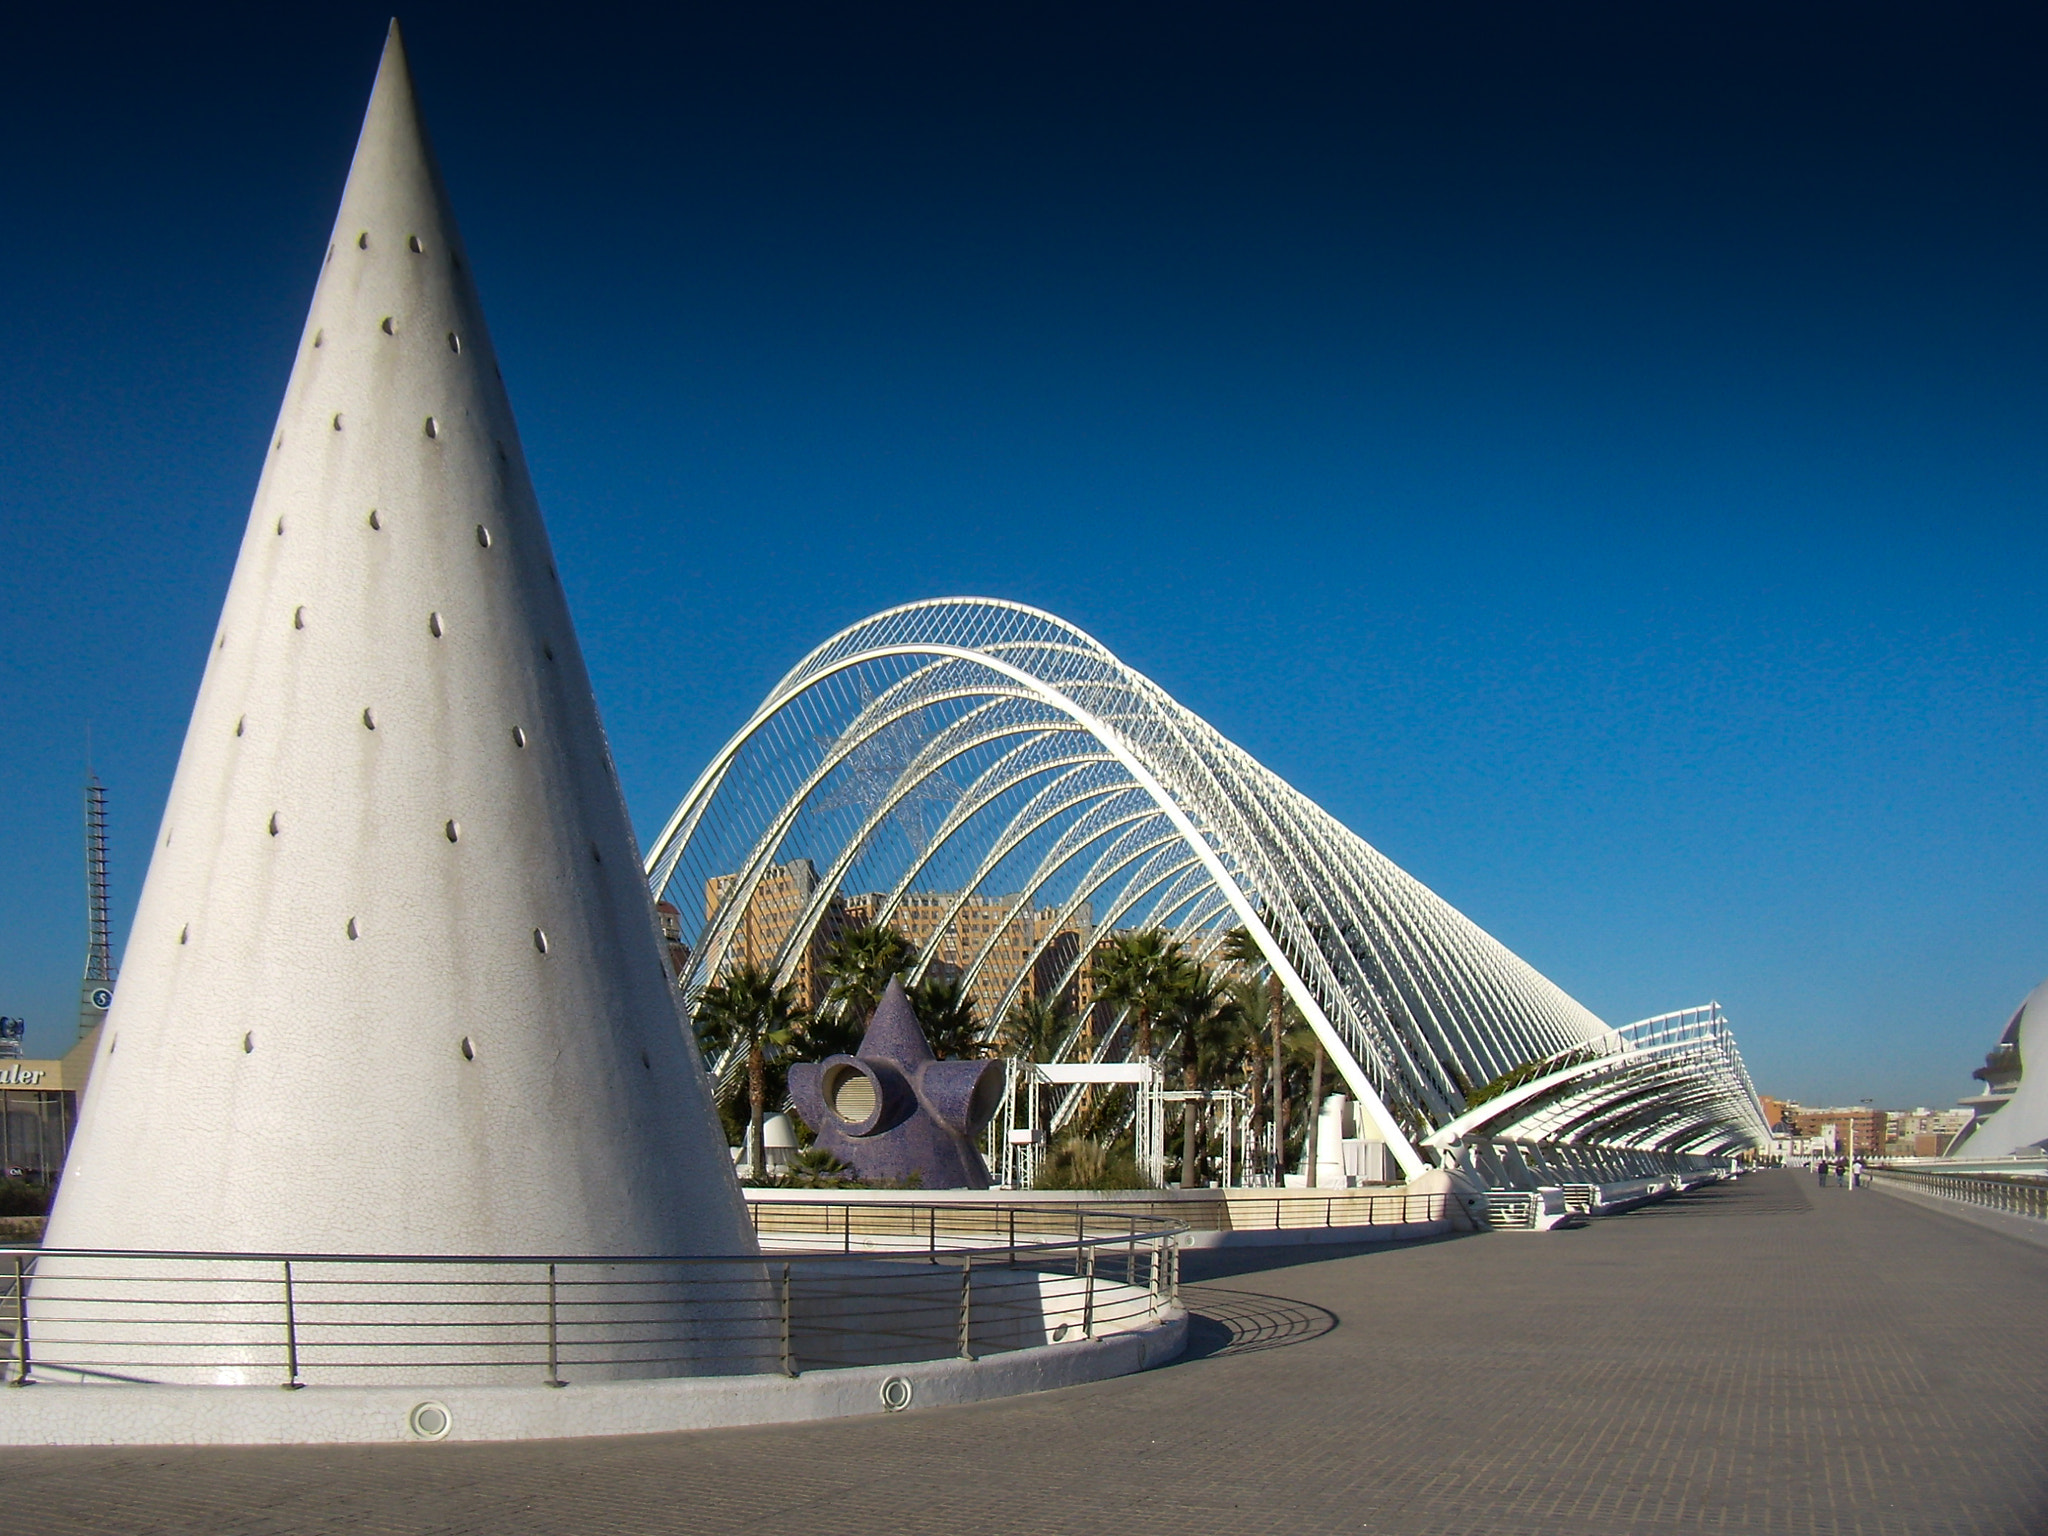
x=847 y=1222
x=967 y=1307
x=1088 y=1303
x=788 y=1355
x=21 y=1355
x=554 y=1336
x=291 y=1334
x=1013 y=1237
x=932 y=1232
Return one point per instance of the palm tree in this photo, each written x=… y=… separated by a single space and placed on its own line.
x=946 y=1011
x=1246 y=993
x=1305 y=1045
x=1135 y=971
x=1244 y=949
x=1033 y=1028
x=1210 y=1025
x=745 y=1011
x=859 y=966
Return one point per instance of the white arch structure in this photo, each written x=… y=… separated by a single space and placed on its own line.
x=992 y=751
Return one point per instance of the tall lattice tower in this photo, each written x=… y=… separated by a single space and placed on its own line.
x=96 y=991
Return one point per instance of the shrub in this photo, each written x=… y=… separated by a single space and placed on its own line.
x=18 y=1197
x=1080 y=1163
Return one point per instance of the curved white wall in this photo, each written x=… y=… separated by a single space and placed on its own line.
x=2022 y=1121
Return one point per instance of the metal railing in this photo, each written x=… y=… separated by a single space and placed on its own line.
x=2016 y=1195
x=850 y=1225
x=293 y=1319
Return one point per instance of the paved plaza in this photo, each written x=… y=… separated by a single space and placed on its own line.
x=1766 y=1356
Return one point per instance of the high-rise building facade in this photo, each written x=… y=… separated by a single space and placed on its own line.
x=953 y=934
x=780 y=898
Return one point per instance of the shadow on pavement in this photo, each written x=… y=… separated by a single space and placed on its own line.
x=1226 y=1322
x=1200 y=1264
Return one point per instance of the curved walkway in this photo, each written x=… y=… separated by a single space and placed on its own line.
x=1765 y=1356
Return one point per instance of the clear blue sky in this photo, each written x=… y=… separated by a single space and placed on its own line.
x=1597 y=451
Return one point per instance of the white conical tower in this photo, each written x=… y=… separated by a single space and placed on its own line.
x=394 y=985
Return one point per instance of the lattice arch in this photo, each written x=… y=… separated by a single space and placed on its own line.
x=985 y=756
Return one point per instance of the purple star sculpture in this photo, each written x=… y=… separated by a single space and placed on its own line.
x=893 y=1111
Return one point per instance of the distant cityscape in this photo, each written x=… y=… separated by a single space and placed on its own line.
x=1801 y=1130
x=1005 y=950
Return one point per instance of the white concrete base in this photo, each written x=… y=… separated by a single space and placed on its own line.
x=1216 y=1218
x=1291 y=1237
x=52 y=1414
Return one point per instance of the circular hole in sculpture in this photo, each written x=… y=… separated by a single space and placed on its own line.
x=337 y=421
x=897 y=1393
x=454 y=830
x=434 y=625
x=468 y=1050
x=414 y=243
x=299 y=617
x=540 y=940
x=363 y=241
x=248 y=1043
x=387 y=327
x=375 y=521
x=483 y=536
x=851 y=1094
x=518 y=737
x=433 y=427
x=369 y=718
x=273 y=823
x=454 y=342
x=429 y=1421
x=352 y=928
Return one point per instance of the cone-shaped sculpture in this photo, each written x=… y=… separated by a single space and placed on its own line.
x=394 y=985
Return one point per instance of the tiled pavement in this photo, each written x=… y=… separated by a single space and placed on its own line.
x=1760 y=1357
